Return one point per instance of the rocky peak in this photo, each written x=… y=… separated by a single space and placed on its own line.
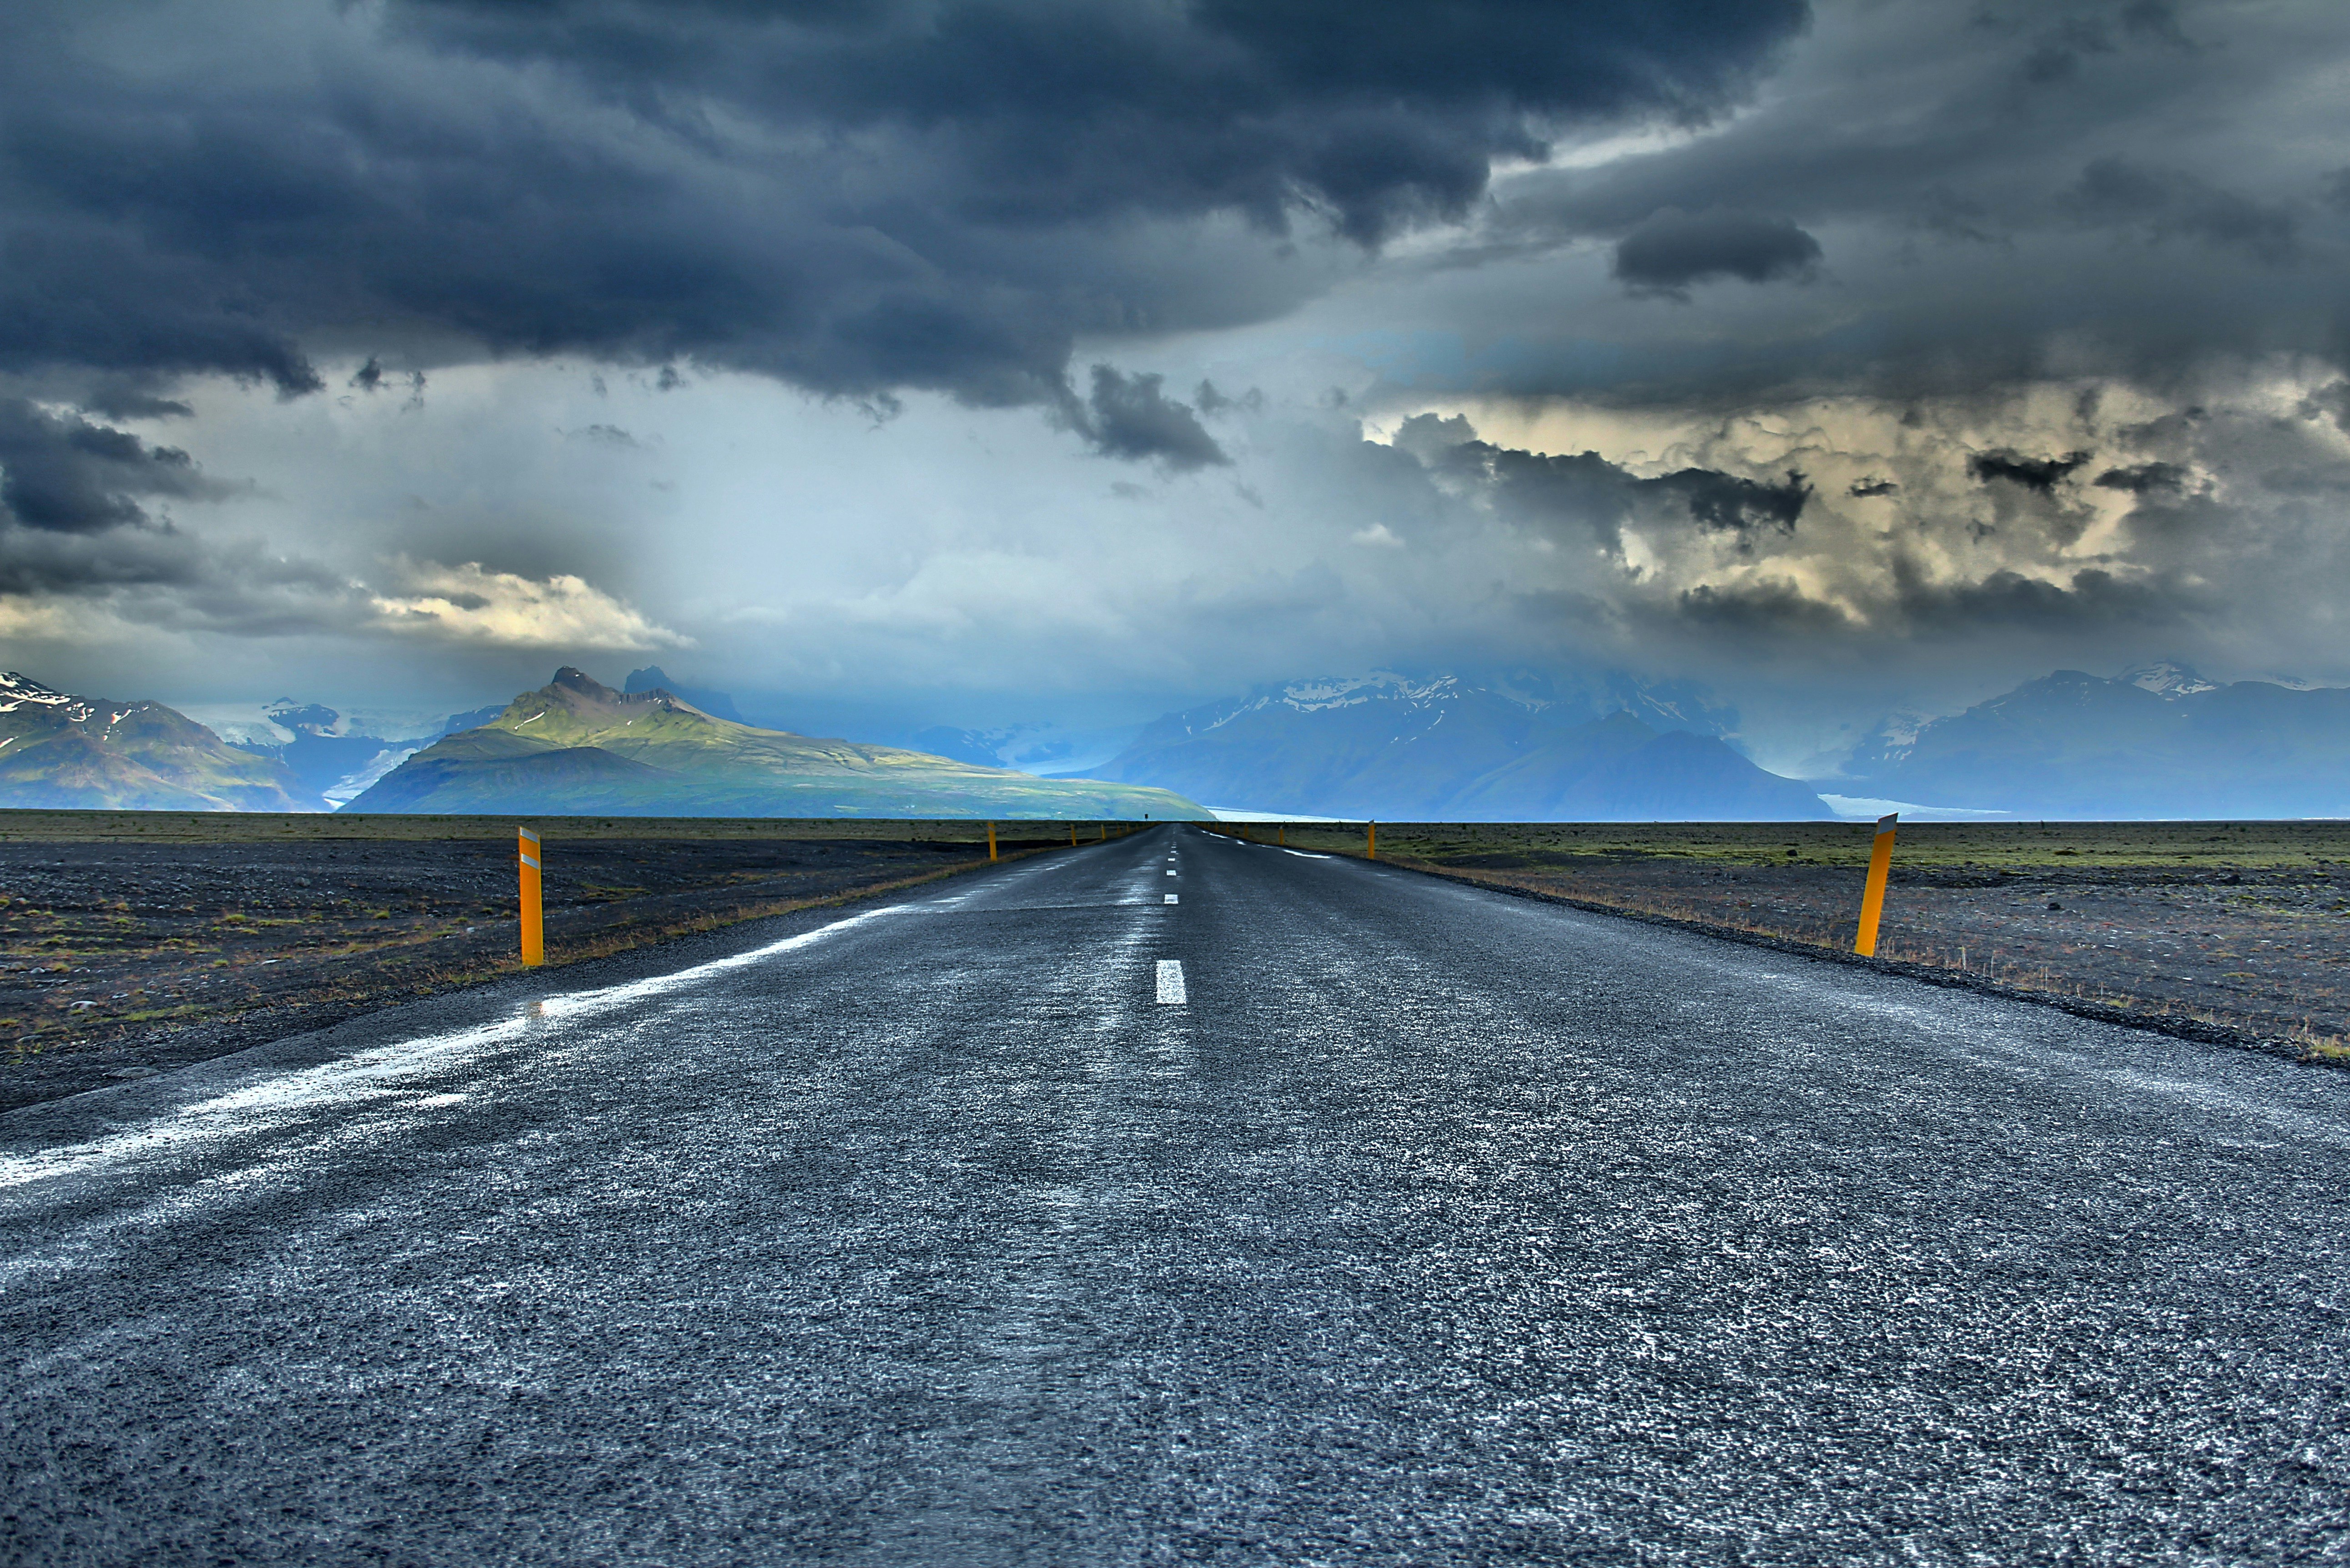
x=2166 y=678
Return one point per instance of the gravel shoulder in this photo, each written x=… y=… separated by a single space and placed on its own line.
x=2213 y=929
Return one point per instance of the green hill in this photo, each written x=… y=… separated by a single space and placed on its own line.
x=59 y=751
x=576 y=747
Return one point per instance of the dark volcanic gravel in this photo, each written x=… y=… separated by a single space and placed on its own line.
x=2260 y=950
x=117 y=957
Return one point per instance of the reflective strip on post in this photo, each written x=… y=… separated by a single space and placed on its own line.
x=1872 y=901
x=534 y=932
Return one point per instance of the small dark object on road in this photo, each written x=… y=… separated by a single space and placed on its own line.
x=2054 y=904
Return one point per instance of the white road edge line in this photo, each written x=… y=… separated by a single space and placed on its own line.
x=273 y=1098
x=1304 y=854
x=1171 y=983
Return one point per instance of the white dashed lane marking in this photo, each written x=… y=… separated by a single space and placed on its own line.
x=1174 y=898
x=1170 y=982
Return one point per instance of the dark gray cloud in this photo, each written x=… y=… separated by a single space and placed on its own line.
x=76 y=523
x=1773 y=613
x=1128 y=416
x=115 y=401
x=2162 y=201
x=164 y=578
x=2331 y=401
x=2166 y=203
x=1586 y=490
x=1730 y=503
x=61 y=473
x=1211 y=401
x=2144 y=478
x=1675 y=249
x=2009 y=599
x=2035 y=474
x=1754 y=610
x=856 y=198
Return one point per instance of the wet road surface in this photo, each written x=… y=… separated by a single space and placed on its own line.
x=1176 y=1200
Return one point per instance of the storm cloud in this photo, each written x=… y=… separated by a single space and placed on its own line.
x=1585 y=491
x=1130 y=417
x=2006 y=193
x=2144 y=478
x=857 y=198
x=62 y=473
x=2040 y=474
x=1675 y=249
x=1032 y=351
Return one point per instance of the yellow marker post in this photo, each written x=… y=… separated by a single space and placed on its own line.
x=1281 y=834
x=1105 y=833
x=533 y=930
x=1371 y=850
x=991 y=841
x=1072 y=836
x=1872 y=901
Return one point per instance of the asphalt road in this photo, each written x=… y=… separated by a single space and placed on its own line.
x=1331 y=1214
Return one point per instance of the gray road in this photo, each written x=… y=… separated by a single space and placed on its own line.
x=1429 y=1226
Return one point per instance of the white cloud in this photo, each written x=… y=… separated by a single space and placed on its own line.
x=470 y=604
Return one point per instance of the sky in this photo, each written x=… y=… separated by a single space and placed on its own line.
x=891 y=364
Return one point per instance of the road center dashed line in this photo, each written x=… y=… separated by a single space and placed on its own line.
x=1174 y=897
x=1171 y=983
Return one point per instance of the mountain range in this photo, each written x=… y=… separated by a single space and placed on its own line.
x=65 y=753
x=1448 y=748
x=2159 y=741
x=331 y=758
x=578 y=746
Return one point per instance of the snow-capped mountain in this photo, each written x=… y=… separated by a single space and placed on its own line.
x=332 y=754
x=2166 y=678
x=58 y=750
x=2156 y=741
x=1448 y=747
